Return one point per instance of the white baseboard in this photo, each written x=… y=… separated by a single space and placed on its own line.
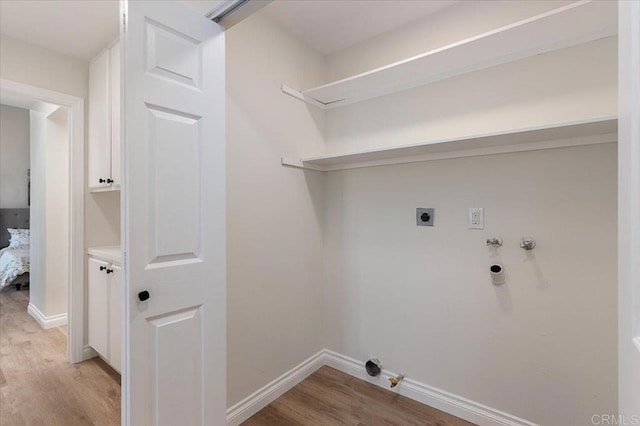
x=437 y=398
x=88 y=352
x=272 y=391
x=453 y=404
x=44 y=321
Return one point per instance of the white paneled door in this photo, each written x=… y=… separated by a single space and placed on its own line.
x=174 y=207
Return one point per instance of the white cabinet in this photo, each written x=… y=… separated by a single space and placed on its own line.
x=98 y=307
x=104 y=120
x=115 y=317
x=105 y=304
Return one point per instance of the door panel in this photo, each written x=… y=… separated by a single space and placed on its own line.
x=176 y=341
x=98 y=314
x=174 y=184
x=115 y=317
x=173 y=54
x=174 y=205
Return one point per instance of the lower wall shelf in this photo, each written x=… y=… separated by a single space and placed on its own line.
x=558 y=135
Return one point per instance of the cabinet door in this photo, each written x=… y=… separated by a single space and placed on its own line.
x=115 y=317
x=115 y=112
x=98 y=307
x=99 y=125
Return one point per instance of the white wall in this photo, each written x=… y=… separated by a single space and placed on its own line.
x=452 y=24
x=37 y=221
x=542 y=346
x=57 y=217
x=14 y=156
x=49 y=274
x=565 y=85
x=274 y=225
x=36 y=66
x=419 y=298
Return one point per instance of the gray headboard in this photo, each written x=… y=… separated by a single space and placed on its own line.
x=12 y=218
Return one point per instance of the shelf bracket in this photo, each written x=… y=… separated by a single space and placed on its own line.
x=299 y=164
x=300 y=96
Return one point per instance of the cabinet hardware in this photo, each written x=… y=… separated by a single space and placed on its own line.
x=144 y=295
x=102 y=268
x=109 y=180
x=109 y=271
x=102 y=180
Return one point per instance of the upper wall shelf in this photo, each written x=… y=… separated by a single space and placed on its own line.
x=560 y=135
x=567 y=26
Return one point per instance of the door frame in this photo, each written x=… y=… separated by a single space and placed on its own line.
x=628 y=208
x=75 y=310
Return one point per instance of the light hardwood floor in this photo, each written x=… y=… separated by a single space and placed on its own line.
x=330 y=397
x=38 y=386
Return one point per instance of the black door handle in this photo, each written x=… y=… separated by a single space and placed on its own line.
x=102 y=268
x=109 y=271
x=101 y=180
x=144 y=295
x=109 y=180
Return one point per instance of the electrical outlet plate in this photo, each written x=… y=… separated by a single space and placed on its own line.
x=476 y=218
x=424 y=217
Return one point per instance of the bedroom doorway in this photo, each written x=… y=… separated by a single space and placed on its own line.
x=42 y=311
x=42 y=190
x=34 y=207
x=70 y=109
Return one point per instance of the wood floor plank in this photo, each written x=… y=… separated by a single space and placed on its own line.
x=38 y=386
x=330 y=397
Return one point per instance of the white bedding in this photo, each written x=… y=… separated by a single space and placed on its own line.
x=14 y=261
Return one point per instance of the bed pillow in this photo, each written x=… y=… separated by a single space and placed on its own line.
x=19 y=237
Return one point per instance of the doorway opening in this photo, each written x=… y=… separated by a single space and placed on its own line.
x=42 y=259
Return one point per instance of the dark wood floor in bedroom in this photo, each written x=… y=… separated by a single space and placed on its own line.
x=38 y=386
x=330 y=397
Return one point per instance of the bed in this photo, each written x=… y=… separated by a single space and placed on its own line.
x=14 y=261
